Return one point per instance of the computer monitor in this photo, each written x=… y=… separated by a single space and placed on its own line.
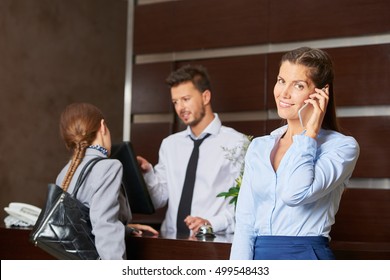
x=133 y=180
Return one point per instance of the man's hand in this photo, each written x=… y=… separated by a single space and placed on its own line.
x=194 y=223
x=144 y=164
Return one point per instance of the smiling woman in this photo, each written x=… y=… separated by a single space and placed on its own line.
x=294 y=178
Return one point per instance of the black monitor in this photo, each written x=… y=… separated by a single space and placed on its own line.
x=133 y=180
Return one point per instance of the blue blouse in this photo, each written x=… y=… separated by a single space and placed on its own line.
x=302 y=197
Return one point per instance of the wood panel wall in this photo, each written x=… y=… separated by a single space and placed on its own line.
x=52 y=53
x=244 y=83
x=201 y=31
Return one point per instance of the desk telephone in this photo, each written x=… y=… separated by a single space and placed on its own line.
x=21 y=214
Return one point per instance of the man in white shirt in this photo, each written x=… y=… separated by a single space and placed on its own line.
x=219 y=158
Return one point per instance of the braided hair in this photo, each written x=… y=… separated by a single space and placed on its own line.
x=79 y=124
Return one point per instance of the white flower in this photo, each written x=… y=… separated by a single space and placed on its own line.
x=236 y=159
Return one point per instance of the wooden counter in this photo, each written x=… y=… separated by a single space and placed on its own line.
x=178 y=248
x=15 y=245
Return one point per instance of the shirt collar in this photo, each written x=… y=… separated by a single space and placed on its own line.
x=212 y=128
x=93 y=152
x=281 y=130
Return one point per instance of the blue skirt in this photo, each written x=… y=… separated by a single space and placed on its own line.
x=292 y=248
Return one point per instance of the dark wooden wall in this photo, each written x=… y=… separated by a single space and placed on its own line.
x=52 y=53
x=244 y=83
x=201 y=30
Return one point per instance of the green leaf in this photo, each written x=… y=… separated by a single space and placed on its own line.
x=223 y=194
x=235 y=189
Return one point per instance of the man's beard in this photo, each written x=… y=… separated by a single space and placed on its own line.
x=197 y=118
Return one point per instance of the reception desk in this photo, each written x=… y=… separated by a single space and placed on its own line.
x=171 y=247
x=15 y=245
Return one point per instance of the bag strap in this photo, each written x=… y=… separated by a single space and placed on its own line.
x=84 y=172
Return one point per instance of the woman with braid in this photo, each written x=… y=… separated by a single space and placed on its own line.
x=85 y=133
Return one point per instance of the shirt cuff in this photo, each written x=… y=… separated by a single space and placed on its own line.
x=219 y=224
x=305 y=144
x=150 y=177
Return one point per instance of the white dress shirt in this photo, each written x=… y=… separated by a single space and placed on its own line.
x=216 y=173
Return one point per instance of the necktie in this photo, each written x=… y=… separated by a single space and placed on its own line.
x=188 y=188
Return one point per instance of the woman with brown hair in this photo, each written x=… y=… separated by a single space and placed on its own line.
x=294 y=177
x=86 y=134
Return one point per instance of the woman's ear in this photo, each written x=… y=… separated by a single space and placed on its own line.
x=103 y=127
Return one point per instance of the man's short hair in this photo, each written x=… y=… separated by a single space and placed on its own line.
x=197 y=74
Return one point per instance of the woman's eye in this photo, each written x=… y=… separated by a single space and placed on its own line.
x=279 y=81
x=299 y=86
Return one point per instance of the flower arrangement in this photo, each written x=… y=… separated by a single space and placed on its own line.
x=240 y=159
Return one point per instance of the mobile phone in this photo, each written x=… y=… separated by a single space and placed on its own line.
x=304 y=106
x=300 y=112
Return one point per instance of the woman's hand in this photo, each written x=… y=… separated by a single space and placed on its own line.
x=138 y=229
x=319 y=101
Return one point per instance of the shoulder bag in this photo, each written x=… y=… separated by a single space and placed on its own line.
x=63 y=228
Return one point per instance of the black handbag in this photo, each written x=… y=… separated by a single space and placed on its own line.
x=63 y=228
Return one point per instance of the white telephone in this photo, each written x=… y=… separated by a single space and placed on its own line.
x=21 y=214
